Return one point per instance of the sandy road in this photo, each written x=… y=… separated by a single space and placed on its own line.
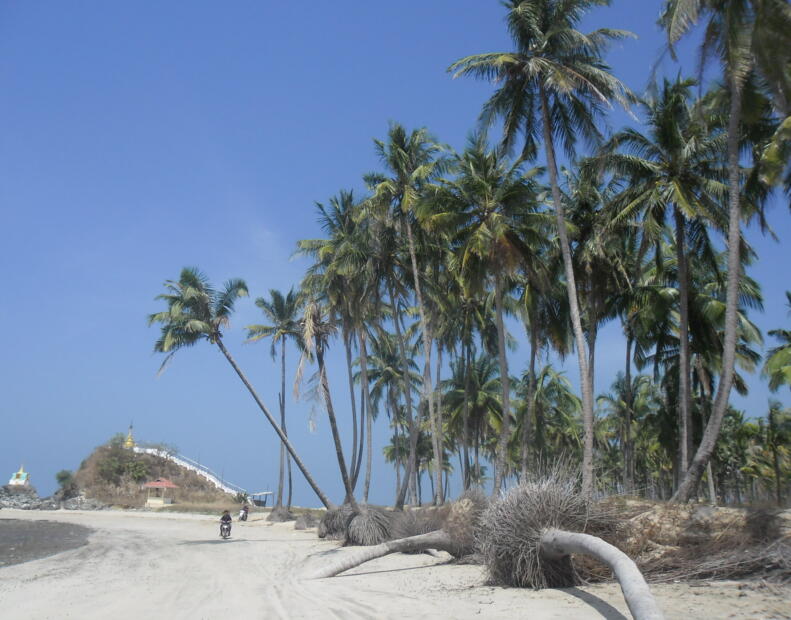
x=146 y=565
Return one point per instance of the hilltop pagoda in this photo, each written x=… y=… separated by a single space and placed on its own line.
x=129 y=442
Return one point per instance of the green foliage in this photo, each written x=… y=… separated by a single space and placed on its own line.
x=136 y=470
x=64 y=477
x=117 y=463
x=117 y=440
x=241 y=498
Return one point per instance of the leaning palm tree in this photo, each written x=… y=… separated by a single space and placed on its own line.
x=747 y=36
x=317 y=329
x=281 y=311
x=556 y=83
x=196 y=311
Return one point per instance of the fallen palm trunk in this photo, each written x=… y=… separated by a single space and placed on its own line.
x=557 y=544
x=433 y=540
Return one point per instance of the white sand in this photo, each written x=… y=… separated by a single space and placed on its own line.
x=146 y=565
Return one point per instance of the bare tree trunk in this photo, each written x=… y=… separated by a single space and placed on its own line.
x=426 y=353
x=347 y=345
x=411 y=426
x=283 y=437
x=368 y=412
x=694 y=473
x=574 y=308
x=557 y=544
x=440 y=429
x=775 y=458
x=433 y=540
x=531 y=401
x=336 y=436
x=505 y=428
x=684 y=392
x=465 y=415
x=282 y=403
x=628 y=464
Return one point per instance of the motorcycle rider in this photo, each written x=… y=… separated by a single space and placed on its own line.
x=225 y=519
x=243 y=512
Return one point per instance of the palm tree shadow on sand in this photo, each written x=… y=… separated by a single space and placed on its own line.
x=603 y=607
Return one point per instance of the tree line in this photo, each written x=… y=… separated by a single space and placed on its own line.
x=417 y=277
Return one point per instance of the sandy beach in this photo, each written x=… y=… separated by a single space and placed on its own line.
x=139 y=564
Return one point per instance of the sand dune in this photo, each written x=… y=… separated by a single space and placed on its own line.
x=146 y=565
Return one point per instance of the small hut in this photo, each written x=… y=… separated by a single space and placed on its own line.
x=160 y=497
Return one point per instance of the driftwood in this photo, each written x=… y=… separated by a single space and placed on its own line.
x=433 y=540
x=557 y=544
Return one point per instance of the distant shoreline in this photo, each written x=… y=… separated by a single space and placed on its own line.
x=25 y=541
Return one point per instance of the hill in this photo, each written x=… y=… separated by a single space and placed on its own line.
x=114 y=474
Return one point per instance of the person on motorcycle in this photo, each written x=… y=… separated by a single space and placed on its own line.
x=225 y=519
x=243 y=512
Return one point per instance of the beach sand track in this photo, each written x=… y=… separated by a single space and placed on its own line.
x=175 y=566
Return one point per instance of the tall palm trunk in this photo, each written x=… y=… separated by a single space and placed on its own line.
x=628 y=463
x=531 y=401
x=411 y=426
x=440 y=430
x=283 y=437
x=574 y=308
x=684 y=393
x=347 y=345
x=694 y=473
x=465 y=415
x=505 y=428
x=282 y=399
x=325 y=388
x=362 y=337
x=426 y=356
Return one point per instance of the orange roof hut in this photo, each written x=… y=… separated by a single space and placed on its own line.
x=160 y=487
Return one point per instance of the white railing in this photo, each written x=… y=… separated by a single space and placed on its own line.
x=201 y=470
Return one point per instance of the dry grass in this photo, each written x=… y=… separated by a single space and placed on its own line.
x=687 y=542
x=280 y=515
x=304 y=521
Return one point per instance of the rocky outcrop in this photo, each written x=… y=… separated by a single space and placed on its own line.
x=26 y=498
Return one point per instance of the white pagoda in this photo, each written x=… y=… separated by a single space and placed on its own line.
x=20 y=478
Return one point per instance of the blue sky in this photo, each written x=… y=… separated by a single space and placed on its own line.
x=138 y=138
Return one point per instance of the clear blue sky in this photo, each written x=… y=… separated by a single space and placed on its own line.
x=140 y=137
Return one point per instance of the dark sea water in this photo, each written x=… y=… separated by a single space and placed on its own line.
x=22 y=541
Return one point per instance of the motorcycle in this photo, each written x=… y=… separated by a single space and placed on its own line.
x=225 y=529
x=243 y=513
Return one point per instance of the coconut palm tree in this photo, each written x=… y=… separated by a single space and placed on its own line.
x=486 y=211
x=412 y=161
x=317 y=329
x=675 y=167
x=554 y=83
x=472 y=397
x=282 y=312
x=196 y=311
x=745 y=36
x=335 y=278
x=778 y=362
